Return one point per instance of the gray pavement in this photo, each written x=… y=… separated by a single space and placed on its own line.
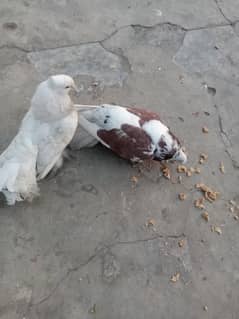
x=84 y=249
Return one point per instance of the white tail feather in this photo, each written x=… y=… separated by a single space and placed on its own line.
x=18 y=170
x=91 y=128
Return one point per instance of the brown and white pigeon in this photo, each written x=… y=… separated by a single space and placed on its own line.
x=132 y=133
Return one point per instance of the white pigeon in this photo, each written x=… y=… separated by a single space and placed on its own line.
x=46 y=130
x=53 y=119
x=132 y=133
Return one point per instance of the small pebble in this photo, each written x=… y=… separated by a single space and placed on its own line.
x=205 y=130
x=205 y=308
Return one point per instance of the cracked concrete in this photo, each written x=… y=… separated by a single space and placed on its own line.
x=229 y=9
x=32 y=28
x=90 y=60
x=169 y=257
x=84 y=248
x=221 y=11
x=217 y=54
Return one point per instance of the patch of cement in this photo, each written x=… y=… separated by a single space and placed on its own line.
x=210 y=50
x=88 y=59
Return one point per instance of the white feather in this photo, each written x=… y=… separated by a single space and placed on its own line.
x=155 y=130
x=92 y=118
x=116 y=116
x=46 y=130
x=53 y=120
x=18 y=170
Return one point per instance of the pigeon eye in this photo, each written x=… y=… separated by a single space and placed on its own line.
x=67 y=87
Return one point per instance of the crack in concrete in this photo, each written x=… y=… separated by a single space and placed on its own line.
x=225 y=138
x=223 y=133
x=147 y=239
x=72 y=45
x=234 y=163
x=97 y=253
x=222 y=13
x=124 y=59
x=134 y=26
x=212 y=26
x=67 y=274
x=14 y=47
x=115 y=32
x=208 y=26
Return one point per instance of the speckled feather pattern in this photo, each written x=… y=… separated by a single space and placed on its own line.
x=132 y=133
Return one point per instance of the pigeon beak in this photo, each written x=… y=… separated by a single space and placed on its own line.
x=181 y=157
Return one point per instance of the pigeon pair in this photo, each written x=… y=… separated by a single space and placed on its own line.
x=53 y=122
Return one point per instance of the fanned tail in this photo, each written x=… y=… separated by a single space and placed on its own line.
x=18 y=171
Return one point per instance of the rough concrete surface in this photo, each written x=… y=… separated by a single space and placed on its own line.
x=87 y=248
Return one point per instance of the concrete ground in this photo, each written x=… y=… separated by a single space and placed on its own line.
x=97 y=243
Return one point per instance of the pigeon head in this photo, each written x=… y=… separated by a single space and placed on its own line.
x=51 y=99
x=62 y=83
x=169 y=148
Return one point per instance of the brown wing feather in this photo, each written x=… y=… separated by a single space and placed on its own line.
x=128 y=142
x=143 y=114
